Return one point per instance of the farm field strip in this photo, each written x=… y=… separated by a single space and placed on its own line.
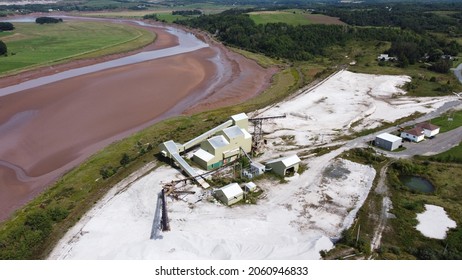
x=27 y=49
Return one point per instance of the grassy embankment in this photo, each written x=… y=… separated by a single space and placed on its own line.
x=33 y=230
x=32 y=45
x=448 y=121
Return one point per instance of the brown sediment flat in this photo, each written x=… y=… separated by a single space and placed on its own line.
x=47 y=130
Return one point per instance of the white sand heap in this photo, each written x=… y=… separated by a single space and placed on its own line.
x=434 y=222
x=295 y=220
x=345 y=103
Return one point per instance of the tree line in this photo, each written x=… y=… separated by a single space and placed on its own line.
x=419 y=18
x=3 y=48
x=5 y=26
x=187 y=12
x=303 y=42
x=45 y=20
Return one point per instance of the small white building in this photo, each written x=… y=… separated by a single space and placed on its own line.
x=388 y=141
x=257 y=168
x=415 y=134
x=250 y=187
x=429 y=129
x=385 y=57
x=230 y=194
x=284 y=166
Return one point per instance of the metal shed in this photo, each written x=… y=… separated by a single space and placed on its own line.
x=388 y=141
x=250 y=187
x=230 y=194
x=284 y=166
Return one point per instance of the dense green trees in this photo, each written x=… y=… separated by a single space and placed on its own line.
x=6 y=26
x=303 y=42
x=3 y=48
x=43 y=20
x=419 y=18
x=187 y=12
x=151 y=16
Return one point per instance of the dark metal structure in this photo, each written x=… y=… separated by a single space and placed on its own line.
x=257 y=134
x=164 y=223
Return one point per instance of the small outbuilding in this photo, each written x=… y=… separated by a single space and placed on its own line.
x=257 y=168
x=230 y=194
x=250 y=187
x=430 y=130
x=415 y=134
x=385 y=57
x=388 y=141
x=284 y=166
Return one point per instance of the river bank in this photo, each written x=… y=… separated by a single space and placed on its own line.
x=49 y=129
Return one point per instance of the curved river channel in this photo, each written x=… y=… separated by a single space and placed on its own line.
x=50 y=124
x=187 y=43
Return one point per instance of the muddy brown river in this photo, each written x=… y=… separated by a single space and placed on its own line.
x=51 y=122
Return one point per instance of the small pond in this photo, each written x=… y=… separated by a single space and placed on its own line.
x=417 y=183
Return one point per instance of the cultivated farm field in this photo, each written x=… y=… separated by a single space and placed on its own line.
x=293 y=17
x=31 y=45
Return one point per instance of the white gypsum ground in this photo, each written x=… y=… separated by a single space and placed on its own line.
x=292 y=220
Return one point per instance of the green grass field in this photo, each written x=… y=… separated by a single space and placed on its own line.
x=448 y=121
x=293 y=18
x=452 y=155
x=401 y=240
x=162 y=15
x=32 y=45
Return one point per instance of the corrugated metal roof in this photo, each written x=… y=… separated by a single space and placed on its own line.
x=232 y=190
x=233 y=132
x=204 y=155
x=388 y=137
x=287 y=161
x=218 y=141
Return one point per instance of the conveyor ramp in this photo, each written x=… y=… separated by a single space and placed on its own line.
x=189 y=170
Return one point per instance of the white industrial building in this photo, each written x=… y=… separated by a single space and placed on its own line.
x=224 y=147
x=230 y=194
x=218 y=146
x=388 y=141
